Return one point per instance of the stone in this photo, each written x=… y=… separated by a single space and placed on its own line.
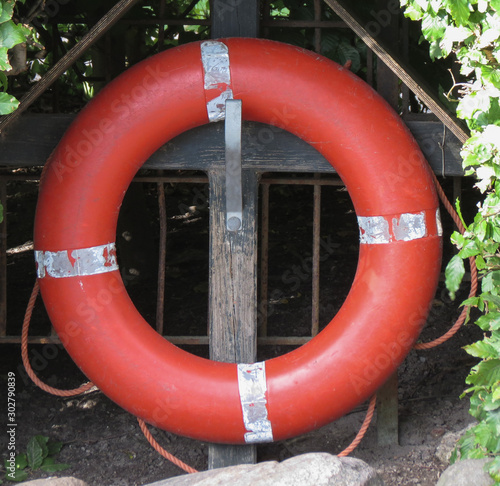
x=69 y=481
x=465 y=473
x=314 y=469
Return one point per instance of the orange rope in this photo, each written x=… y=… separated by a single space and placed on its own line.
x=362 y=430
x=473 y=275
x=26 y=361
x=81 y=389
x=371 y=408
x=158 y=448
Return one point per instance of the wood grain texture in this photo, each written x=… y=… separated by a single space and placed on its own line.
x=31 y=139
x=232 y=293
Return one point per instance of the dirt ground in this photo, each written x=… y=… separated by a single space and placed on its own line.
x=104 y=445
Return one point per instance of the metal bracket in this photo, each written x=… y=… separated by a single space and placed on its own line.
x=234 y=194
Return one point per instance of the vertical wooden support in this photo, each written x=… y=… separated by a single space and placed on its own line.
x=387 y=412
x=3 y=259
x=233 y=254
x=264 y=261
x=235 y=18
x=162 y=258
x=233 y=293
x=388 y=88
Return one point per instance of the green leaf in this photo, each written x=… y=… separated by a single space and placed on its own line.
x=493 y=468
x=467 y=446
x=7 y=103
x=4 y=59
x=482 y=349
x=54 y=447
x=54 y=467
x=459 y=211
x=495 y=4
x=480 y=263
x=459 y=10
x=491 y=282
x=487 y=433
x=470 y=248
x=489 y=322
x=6 y=9
x=11 y=34
x=18 y=476
x=475 y=302
x=454 y=273
x=484 y=373
x=434 y=27
x=37 y=451
x=491 y=299
x=21 y=461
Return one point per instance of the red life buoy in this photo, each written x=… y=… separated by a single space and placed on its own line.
x=322 y=103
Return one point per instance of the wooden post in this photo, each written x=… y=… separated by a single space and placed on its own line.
x=388 y=88
x=233 y=293
x=233 y=255
x=235 y=18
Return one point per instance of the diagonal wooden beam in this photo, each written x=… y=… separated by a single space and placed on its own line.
x=406 y=74
x=95 y=33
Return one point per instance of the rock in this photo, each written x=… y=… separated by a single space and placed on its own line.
x=314 y=469
x=70 y=481
x=448 y=443
x=465 y=473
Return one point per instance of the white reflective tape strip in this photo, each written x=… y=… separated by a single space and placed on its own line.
x=215 y=60
x=376 y=230
x=438 y=223
x=252 y=387
x=216 y=108
x=79 y=262
x=373 y=230
x=409 y=227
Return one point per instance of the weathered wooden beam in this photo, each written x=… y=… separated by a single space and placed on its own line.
x=29 y=142
x=411 y=78
x=235 y=18
x=388 y=87
x=233 y=255
x=232 y=293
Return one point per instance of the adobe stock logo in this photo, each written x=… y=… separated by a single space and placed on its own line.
x=382 y=18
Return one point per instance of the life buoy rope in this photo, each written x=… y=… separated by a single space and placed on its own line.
x=392 y=192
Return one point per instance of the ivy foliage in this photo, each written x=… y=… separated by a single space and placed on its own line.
x=11 y=34
x=469 y=30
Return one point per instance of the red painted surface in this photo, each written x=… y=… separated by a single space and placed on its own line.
x=324 y=104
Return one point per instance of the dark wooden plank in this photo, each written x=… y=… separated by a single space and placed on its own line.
x=232 y=293
x=235 y=18
x=387 y=412
x=388 y=87
x=29 y=142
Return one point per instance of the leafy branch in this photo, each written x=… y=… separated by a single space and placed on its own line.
x=470 y=30
x=39 y=454
x=11 y=36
